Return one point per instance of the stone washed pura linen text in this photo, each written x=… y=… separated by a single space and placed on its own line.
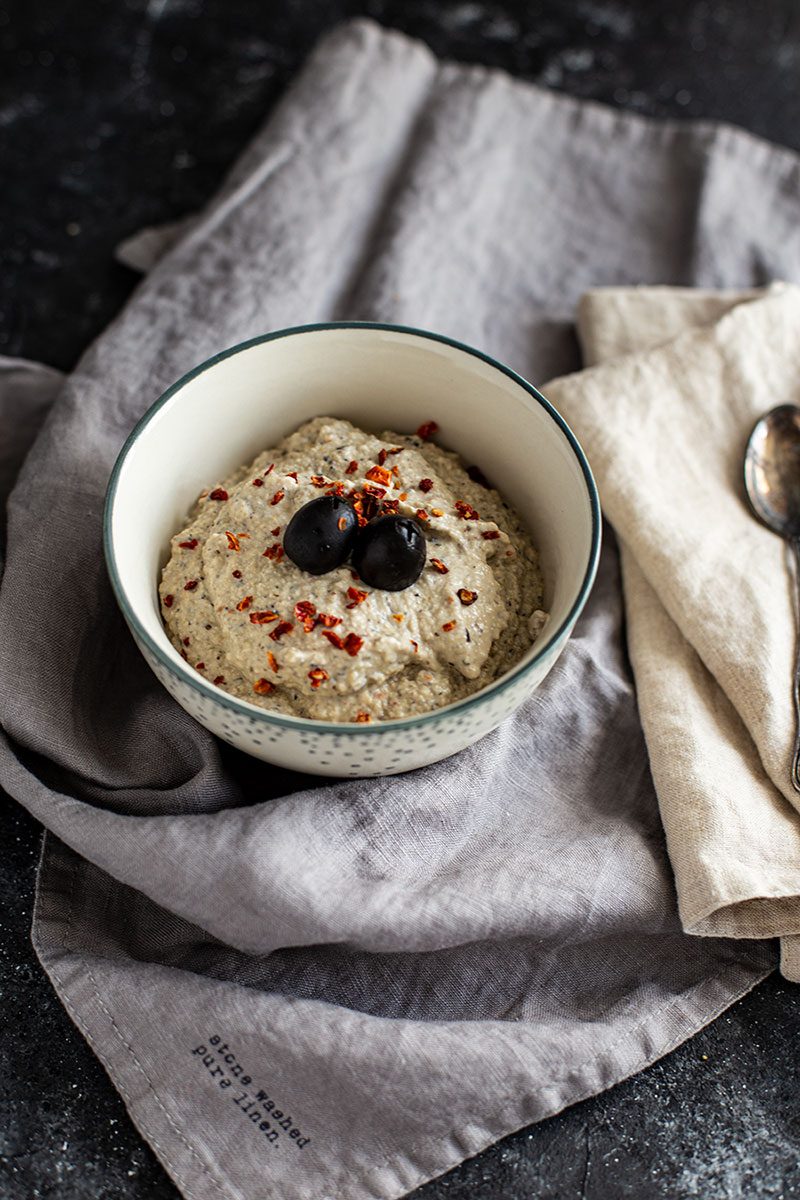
x=406 y=969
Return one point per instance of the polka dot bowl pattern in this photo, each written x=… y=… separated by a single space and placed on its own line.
x=244 y=399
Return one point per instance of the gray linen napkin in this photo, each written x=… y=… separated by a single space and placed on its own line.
x=341 y=991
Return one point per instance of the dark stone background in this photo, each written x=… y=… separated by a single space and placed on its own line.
x=114 y=115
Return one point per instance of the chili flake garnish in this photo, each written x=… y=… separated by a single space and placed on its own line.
x=466 y=596
x=342 y=524
x=277 y=633
x=292 y=475
x=276 y=499
x=243 y=606
x=466 y=511
x=274 y=552
x=370 y=490
x=269 y=470
x=356 y=597
x=389 y=507
x=380 y=475
x=353 y=643
x=448 y=626
x=219 y=679
x=258 y=483
x=398 y=617
x=218 y=494
x=317 y=676
x=333 y=638
x=404 y=496
x=439 y=566
x=490 y=534
x=263 y=687
x=233 y=541
x=190 y=585
x=351 y=468
x=236 y=574
x=363 y=718
x=275 y=531
x=354 y=575
x=328 y=621
x=304 y=609
x=190 y=545
x=415 y=645
x=436 y=512
x=426 y=485
x=186 y=641
x=169 y=601
x=201 y=666
x=262 y=618
x=477 y=476
x=318 y=481
x=273 y=662
x=423 y=516
x=427 y=430
x=382 y=455
x=335 y=489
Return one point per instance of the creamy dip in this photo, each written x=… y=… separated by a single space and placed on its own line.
x=328 y=646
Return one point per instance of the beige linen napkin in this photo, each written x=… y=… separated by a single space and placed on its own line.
x=665 y=416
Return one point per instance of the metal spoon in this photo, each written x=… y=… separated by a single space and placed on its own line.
x=772 y=484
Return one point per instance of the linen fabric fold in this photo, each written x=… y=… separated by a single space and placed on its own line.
x=342 y=990
x=708 y=590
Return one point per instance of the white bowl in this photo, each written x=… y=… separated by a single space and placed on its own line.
x=380 y=377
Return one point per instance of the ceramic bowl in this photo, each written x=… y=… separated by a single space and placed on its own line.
x=236 y=404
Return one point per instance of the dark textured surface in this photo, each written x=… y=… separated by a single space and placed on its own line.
x=117 y=115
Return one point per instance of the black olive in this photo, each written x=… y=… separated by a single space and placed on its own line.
x=390 y=553
x=321 y=534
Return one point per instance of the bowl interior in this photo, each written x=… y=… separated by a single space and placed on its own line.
x=223 y=414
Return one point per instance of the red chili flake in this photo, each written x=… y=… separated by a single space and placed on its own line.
x=169 y=601
x=218 y=494
x=263 y=687
x=415 y=645
x=366 y=506
x=277 y=633
x=370 y=490
x=244 y=604
x=404 y=496
x=354 y=575
x=318 y=481
x=380 y=475
x=389 y=507
x=491 y=534
x=292 y=475
x=317 y=676
x=342 y=524
x=275 y=531
x=356 y=596
x=328 y=621
x=436 y=512
x=426 y=485
x=396 y=473
x=396 y=450
x=423 y=516
x=382 y=456
x=466 y=596
x=353 y=643
x=276 y=499
x=190 y=585
x=303 y=609
x=262 y=618
x=201 y=666
x=427 y=430
x=190 y=545
x=186 y=641
x=335 y=489
x=258 y=483
x=273 y=662
x=269 y=470
x=398 y=617
x=466 y=511
x=333 y=638
x=448 y=626
x=477 y=476
x=363 y=718
x=439 y=566
x=233 y=541
x=236 y=574
x=274 y=552
x=351 y=468
x=219 y=679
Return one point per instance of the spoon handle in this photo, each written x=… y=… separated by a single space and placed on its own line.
x=796 y=689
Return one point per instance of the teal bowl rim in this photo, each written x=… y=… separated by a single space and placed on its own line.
x=307 y=724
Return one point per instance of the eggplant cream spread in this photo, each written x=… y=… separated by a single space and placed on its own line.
x=345 y=576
